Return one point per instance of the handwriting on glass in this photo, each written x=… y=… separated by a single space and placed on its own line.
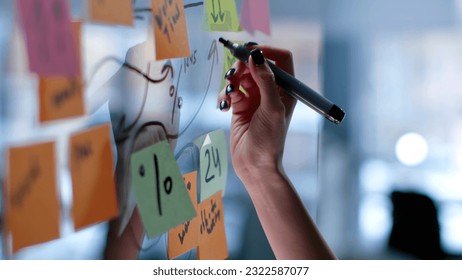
x=190 y=61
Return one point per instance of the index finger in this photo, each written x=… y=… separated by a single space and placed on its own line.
x=282 y=57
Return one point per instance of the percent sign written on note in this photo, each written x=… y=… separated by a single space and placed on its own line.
x=160 y=192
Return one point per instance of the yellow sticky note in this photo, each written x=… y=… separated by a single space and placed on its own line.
x=221 y=15
x=184 y=238
x=111 y=11
x=93 y=187
x=60 y=96
x=31 y=199
x=170 y=31
x=212 y=235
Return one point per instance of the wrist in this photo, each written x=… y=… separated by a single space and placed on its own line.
x=257 y=163
x=258 y=179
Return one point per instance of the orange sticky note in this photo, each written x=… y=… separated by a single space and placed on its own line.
x=170 y=31
x=93 y=187
x=31 y=202
x=184 y=238
x=111 y=11
x=59 y=96
x=77 y=32
x=212 y=235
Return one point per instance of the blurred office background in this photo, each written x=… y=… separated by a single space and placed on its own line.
x=384 y=184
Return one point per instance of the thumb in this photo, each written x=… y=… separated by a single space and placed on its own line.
x=264 y=78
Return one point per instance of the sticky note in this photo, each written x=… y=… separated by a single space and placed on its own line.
x=60 y=96
x=31 y=201
x=170 y=31
x=111 y=11
x=50 y=43
x=221 y=15
x=184 y=237
x=160 y=192
x=213 y=161
x=93 y=187
x=212 y=235
x=77 y=35
x=255 y=15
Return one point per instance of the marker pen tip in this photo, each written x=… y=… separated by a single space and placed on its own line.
x=223 y=41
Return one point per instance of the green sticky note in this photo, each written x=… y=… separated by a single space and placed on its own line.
x=213 y=163
x=221 y=15
x=163 y=200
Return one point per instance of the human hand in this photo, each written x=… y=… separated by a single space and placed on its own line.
x=259 y=124
x=261 y=114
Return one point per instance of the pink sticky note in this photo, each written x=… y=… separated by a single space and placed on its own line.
x=50 y=42
x=255 y=16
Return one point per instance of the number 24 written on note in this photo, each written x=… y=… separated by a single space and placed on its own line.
x=212 y=156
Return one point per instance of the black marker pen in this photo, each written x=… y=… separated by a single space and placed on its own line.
x=293 y=86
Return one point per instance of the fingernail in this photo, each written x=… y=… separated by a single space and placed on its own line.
x=229 y=89
x=250 y=43
x=257 y=56
x=223 y=105
x=230 y=73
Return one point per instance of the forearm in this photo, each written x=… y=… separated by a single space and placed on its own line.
x=127 y=245
x=289 y=229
